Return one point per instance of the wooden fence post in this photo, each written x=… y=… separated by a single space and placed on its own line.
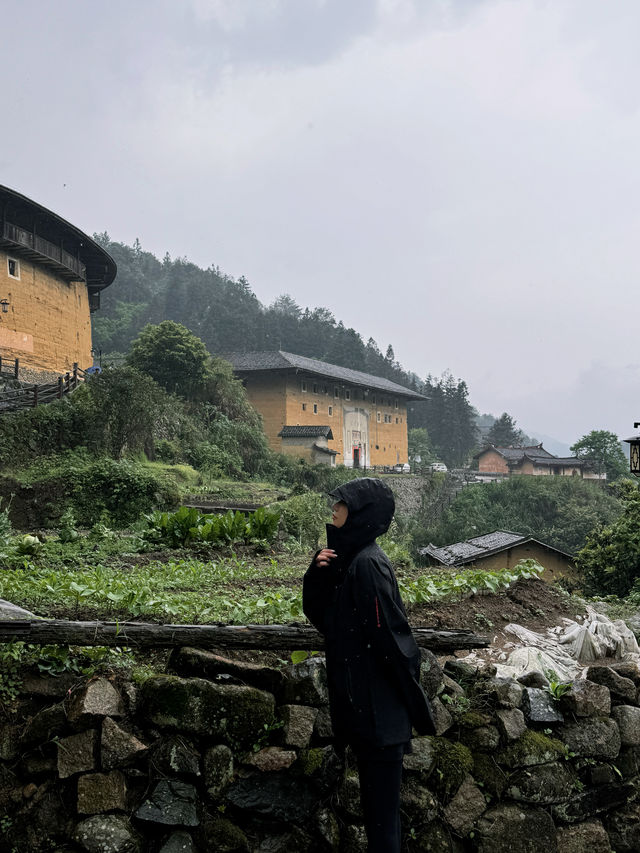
x=75 y=375
x=60 y=392
x=35 y=396
x=67 y=379
x=16 y=367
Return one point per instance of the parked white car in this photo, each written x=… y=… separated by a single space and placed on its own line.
x=438 y=466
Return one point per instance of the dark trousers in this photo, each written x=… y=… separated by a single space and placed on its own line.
x=380 y=772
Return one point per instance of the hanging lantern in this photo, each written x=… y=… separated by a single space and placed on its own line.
x=634 y=451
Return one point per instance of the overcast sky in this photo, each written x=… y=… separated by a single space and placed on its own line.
x=459 y=178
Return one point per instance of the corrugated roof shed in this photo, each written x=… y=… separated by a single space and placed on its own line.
x=470 y=550
x=280 y=360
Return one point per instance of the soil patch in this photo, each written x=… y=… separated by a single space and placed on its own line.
x=531 y=603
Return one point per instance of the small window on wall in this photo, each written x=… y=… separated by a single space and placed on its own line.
x=396 y=404
x=373 y=399
x=347 y=394
x=315 y=408
x=13 y=268
x=378 y=416
x=303 y=386
x=330 y=410
x=315 y=388
x=304 y=407
x=397 y=421
x=336 y=391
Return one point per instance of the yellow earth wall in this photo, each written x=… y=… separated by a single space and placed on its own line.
x=47 y=326
x=555 y=565
x=279 y=397
x=267 y=394
x=492 y=462
x=390 y=438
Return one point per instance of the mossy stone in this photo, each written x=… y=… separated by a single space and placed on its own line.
x=531 y=749
x=224 y=837
x=232 y=714
x=453 y=762
x=473 y=720
x=311 y=760
x=492 y=776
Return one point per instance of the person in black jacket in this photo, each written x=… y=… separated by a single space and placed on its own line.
x=351 y=596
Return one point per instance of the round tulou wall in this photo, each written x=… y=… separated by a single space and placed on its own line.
x=47 y=326
x=220 y=755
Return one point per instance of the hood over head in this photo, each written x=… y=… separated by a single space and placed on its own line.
x=371 y=506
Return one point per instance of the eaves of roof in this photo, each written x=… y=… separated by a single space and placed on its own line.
x=327 y=450
x=481 y=553
x=100 y=266
x=250 y=362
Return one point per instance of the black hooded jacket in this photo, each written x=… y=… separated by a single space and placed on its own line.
x=373 y=662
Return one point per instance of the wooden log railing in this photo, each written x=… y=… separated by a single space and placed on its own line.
x=143 y=635
x=28 y=396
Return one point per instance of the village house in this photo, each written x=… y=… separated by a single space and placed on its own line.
x=501 y=549
x=51 y=275
x=356 y=419
x=497 y=462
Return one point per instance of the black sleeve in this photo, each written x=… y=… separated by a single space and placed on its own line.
x=386 y=629
x=318 y=586
x=381 y=615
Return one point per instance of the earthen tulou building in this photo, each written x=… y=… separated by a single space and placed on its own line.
x=324 y=413
x=51 y=276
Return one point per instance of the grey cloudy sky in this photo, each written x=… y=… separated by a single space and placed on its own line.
x=457 y=177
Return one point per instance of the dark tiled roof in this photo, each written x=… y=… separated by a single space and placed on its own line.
x=560 y=460
x=325 y=450
x=252 y=361
x=480 y=546
x=306 y=432
x=516 y=453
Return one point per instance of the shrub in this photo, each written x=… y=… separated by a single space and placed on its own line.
x=125 y=490
x=304 y=517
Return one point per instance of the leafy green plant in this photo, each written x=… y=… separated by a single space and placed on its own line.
x=6 y=528
x=28 y=545
x=267 y=728
x=11 y=660
x=556 y=688
x=68 y=526
x=465 y=583
x=188 y=526
x=300 y=656
x=263 y=524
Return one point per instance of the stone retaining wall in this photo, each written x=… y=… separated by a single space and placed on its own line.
x=225 y=756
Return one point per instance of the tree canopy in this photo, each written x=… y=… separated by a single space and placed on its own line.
x=504 y=432
x=604 y=450
x=448 y=417
x=172 y=355
x=559 y=511
x=610 y=560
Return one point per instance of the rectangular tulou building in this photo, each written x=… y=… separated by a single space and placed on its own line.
x=325 y=413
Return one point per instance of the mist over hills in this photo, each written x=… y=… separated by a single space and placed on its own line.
x=227 y=315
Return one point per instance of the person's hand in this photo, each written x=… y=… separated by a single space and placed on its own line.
x=324 y=557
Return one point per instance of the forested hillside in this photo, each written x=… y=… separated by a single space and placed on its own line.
x=226 y=314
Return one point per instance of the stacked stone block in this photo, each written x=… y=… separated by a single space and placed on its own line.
x=219 y=755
